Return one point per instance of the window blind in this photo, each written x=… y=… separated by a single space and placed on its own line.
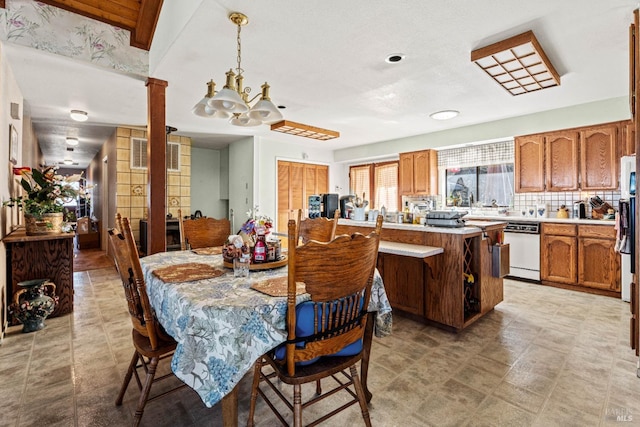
x=360 y=180
x=386 y=185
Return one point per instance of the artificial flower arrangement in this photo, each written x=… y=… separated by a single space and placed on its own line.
x=240 y=245
x=46 y=191
x=255 y=224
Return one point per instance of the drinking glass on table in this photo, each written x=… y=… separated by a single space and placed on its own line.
x=241 y=267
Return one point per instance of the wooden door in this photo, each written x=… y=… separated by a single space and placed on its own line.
x=296 y=182
x=599 y=158
x=529 y=163
x=558 y=256
x=561 y=161
x=598 y=265
x=405 y=174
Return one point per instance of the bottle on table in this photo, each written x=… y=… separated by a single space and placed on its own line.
x=260 y=249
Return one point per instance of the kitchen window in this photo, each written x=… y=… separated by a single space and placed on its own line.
x=378 y=182
x=490 y=185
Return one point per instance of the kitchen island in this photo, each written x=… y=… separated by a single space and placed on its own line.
x=451 y=288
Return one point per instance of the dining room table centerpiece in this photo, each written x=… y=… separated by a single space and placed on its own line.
x=45 y=193
x=243 y=243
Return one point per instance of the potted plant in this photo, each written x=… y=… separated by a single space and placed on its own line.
x=43 y=203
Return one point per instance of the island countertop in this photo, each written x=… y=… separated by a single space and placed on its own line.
x=471 y=226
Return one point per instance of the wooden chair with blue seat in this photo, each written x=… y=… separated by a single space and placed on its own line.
x=324 y=334
x=150 y=341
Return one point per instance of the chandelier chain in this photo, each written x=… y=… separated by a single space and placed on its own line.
x=239 y=51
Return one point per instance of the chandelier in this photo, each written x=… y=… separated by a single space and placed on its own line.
x=232 y=102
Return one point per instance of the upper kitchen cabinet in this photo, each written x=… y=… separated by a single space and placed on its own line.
x=561 y=160
x=529 y=163
x=599 y=158
x=583 y=158
x=418 y=173
x=627 y=138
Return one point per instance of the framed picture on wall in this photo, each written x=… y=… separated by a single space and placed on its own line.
x=13 y=144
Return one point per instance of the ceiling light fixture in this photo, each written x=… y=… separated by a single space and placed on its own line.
x=299 y=129
x=68 y=161
x=79 y=116
x=232 y=102
x=444 y=114
x=72 y=141
x=518 y=64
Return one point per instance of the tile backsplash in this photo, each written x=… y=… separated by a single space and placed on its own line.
x=521 y=201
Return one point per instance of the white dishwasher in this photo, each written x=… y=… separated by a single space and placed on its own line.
x=524 y=249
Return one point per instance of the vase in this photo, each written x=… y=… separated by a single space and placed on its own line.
x=50 y=223
x=31 y=305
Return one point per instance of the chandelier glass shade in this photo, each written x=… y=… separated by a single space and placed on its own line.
x=232 y=101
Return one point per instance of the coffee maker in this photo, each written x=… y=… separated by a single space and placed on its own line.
x=329 y=205
x=579 y=210
x=346 y=205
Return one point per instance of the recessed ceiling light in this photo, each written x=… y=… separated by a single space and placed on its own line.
x=72 y=141
x=68 y=162
x=394 y=58
x=444 y=114
x=79 y=116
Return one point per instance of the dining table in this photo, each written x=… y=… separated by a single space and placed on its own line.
x=222 y=324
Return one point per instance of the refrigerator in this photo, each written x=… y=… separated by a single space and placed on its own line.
x=627 y=195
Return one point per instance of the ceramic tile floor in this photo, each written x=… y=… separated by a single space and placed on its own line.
x=543 y=357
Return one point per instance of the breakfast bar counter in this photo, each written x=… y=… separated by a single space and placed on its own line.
x=440 y=275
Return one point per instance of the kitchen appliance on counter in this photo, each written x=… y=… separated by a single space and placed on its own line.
x=579 y=210
x=329 y=205
x=315 y=204
x=346 y=204
x=451 y=219
x=524 y=254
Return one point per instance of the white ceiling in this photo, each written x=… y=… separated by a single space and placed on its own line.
x=324 y=60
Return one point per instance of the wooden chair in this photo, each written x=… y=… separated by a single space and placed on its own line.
x=203 y=232
x=319 y=229
x=149 y=338
x=324 y=335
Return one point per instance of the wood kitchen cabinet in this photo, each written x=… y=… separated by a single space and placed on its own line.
x=546 y=162
x=418 y=173
x=403 y=279
x=598 y=262
x=561 y=161
x=558 y=253
x=583 y=158
x=529 y=163
x=599 y=157
x=580 y=256
x=627 y=138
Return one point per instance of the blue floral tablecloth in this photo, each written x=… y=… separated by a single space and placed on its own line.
x=222 y=325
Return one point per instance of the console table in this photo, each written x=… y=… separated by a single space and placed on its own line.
x=40 y=257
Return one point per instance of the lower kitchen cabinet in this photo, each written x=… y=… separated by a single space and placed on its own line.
x=580 y=256
x=404 y=279
x=599 y=263
x=558 y=253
